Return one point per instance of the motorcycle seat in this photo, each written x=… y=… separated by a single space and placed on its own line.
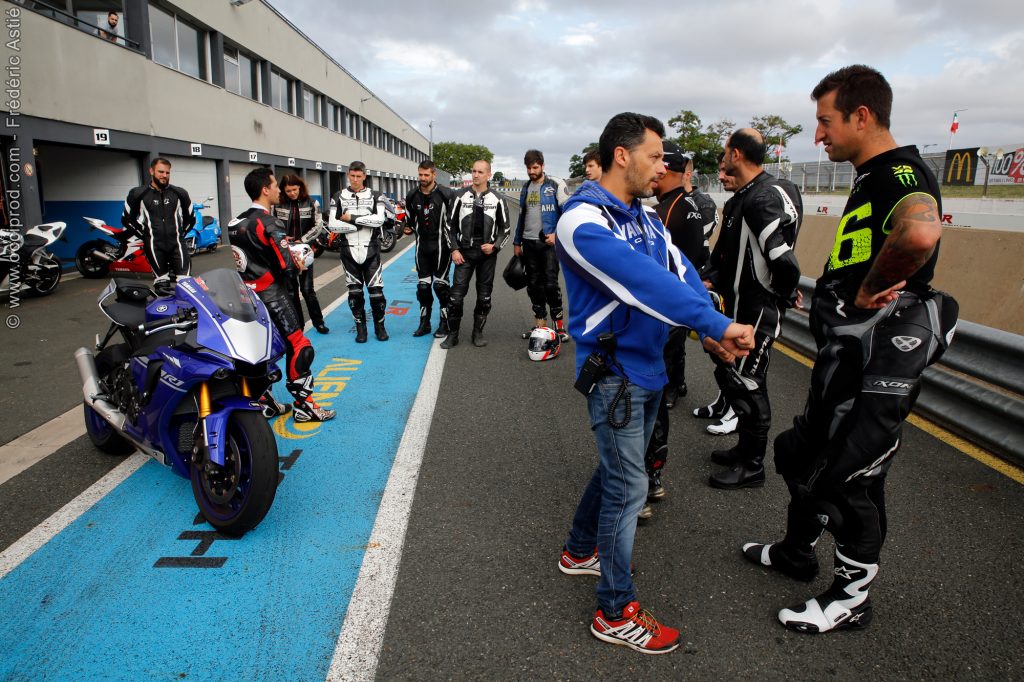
x=126 y=314
x=132 y=290
x=33 y=242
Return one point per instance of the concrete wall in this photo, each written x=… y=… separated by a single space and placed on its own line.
x=981 y=268
x=99 y=84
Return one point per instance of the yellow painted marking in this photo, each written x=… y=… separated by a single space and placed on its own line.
x=951 y=439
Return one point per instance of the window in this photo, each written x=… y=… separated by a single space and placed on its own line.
x=310 y=105
x=334 y=117
x=177 y=44
x=281 y=92
x=239 y=73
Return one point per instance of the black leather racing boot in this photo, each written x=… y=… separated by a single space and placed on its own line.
x=478 y=330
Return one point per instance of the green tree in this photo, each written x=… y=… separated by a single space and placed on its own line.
x=498 y=177
x=576 y=167
x=457 y=158
x=705 y=142
x=777 y=132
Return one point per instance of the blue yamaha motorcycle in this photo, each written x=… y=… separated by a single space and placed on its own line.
x=205 y=234
x=182 y=386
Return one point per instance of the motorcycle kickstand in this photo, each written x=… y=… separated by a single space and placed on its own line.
x=100 y=345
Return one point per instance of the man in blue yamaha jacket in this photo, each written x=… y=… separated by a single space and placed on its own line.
x=625 y=278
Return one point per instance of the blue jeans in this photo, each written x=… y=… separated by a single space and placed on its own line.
x=607 y=512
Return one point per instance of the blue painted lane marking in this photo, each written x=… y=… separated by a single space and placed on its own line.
x=122 y=592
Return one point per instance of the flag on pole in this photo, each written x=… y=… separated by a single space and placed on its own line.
x=956 y=125
x=778 y=151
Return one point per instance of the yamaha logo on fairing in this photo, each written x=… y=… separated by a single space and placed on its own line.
x=162 y=308
x=906 y=343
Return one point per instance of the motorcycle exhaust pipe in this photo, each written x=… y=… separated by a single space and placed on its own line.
x=108 y=411
x=104 y=256
x=91 y=388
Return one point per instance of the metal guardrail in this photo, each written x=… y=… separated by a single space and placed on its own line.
x=975 y=391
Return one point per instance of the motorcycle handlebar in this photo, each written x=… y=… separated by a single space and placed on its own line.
x=170 y=323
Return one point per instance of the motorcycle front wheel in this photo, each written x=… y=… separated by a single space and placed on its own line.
x=48 y=276
x=387 y=241
x=90 y=265
x=235 y=498
x=190 y=244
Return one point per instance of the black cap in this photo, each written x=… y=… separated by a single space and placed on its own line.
x=675 y=158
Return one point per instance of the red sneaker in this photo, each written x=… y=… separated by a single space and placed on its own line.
x=638 y=629
x=575 y=565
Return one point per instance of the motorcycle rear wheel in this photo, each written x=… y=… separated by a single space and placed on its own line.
x=89 y=265
x=49 y=276
x=236 y=497
x=103 y=435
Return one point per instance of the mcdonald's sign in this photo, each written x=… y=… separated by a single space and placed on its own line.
x=961 y=166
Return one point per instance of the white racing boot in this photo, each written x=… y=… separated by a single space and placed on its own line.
x=844 y=605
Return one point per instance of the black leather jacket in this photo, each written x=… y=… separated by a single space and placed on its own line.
x=303 y=220
x=427 y=214
x=259 y=245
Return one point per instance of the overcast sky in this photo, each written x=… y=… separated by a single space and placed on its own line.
x=531 y=73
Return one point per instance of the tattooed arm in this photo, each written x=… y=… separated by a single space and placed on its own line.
x=915 y=232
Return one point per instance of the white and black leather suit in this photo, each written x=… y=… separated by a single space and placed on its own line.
x=475 y=219
x=754 y=268
x=360 y=247
x=427 y=216
x=161 y=218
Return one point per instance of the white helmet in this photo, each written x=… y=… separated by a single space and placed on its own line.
x=544 y=344
x=302 y=254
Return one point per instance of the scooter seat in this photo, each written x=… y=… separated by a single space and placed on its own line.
x=207 y=220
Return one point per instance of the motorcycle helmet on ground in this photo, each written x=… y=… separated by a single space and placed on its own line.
x=515 y=273
x=544 y=344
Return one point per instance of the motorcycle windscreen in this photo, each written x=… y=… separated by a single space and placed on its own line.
x=242 y=329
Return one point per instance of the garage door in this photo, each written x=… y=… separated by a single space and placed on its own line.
x=314 y=185
x=240 y=201
x=198 y=177
x=77 y=182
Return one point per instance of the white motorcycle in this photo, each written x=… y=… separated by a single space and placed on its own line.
x=25 y=264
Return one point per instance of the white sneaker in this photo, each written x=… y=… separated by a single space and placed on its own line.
x=726 y=425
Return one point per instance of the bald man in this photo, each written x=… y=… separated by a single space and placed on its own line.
x=754 y=268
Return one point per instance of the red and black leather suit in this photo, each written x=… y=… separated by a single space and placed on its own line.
x=259 y=245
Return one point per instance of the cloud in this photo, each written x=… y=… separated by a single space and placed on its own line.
x=419 y=58
x=549 y=75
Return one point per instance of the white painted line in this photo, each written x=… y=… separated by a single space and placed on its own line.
x=45 y=531
x=25 y=547
x=40 y=442
x=334 y=274
x=357 y=651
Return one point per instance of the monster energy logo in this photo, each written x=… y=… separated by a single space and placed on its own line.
x=905 y=174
